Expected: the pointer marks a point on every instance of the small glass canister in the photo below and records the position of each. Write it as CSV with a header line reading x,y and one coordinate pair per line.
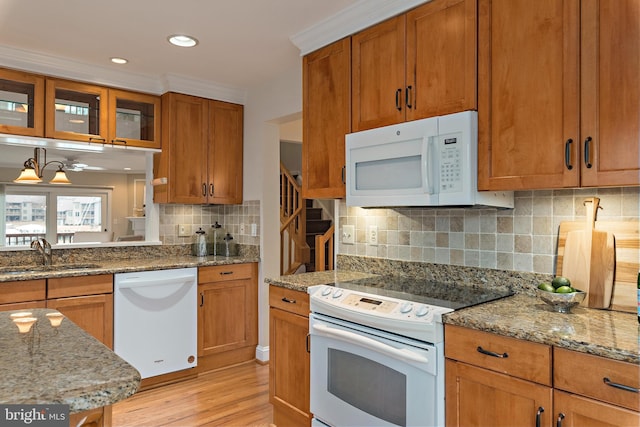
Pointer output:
x,y
199,245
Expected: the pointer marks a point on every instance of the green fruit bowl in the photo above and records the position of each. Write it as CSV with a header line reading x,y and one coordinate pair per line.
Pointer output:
x,y
561,303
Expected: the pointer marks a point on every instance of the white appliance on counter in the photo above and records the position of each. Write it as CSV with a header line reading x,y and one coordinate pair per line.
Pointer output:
x,y
427,162
155,320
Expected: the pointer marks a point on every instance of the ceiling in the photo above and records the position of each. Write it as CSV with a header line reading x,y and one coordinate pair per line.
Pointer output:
x,y
242,44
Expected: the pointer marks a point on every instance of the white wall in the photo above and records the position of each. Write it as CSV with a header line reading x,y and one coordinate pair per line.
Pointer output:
x,y
267,107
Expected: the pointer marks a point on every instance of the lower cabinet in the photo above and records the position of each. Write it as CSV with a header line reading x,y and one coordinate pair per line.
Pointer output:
x,y
20,295
227,315
87,301
99,417
289,357
493,380
496,381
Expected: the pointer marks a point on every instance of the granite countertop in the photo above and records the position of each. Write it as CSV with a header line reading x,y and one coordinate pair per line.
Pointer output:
x,y
61,365
606,333
30,272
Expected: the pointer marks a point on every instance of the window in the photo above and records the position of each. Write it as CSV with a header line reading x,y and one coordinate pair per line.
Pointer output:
x,y
53,212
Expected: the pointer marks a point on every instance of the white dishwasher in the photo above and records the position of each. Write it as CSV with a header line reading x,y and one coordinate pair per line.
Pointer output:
x,y
155,320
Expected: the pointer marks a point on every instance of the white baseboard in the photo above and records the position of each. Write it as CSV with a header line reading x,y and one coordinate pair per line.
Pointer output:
x,y
262,353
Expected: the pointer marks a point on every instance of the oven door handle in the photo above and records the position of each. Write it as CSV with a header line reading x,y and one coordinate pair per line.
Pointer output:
x,y
351,337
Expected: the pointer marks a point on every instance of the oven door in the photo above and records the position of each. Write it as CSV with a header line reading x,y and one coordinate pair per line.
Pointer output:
x,y
366,377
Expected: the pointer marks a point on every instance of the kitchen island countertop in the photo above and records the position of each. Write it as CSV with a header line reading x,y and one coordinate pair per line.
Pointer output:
x,y
605,333
60,365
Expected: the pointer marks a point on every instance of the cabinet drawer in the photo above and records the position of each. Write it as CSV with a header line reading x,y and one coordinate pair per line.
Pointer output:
x,y
585,374
518,358
219,273
22,291
289,300
79,286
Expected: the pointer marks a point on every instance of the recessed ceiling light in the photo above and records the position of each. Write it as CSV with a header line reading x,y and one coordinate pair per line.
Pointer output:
x,y
182,40
116,60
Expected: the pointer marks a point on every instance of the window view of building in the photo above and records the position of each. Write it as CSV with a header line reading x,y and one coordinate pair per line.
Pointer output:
x,y
54,216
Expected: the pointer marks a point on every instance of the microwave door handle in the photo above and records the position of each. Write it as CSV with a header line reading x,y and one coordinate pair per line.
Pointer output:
x,y
353,338
427,168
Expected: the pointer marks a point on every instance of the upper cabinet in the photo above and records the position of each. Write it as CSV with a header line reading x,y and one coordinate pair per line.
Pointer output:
x,y
326,109
202,151
39,106
89,113
21,103
557,102
76,111
416,65
134,119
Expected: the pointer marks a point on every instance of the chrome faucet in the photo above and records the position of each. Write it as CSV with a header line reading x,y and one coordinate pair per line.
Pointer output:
x,y
44,248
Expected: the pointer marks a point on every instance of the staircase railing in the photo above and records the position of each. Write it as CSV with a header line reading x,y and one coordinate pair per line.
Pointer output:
x,y
294,250
324,250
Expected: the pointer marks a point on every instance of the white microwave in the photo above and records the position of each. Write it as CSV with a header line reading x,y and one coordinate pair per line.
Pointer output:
x,y
428,162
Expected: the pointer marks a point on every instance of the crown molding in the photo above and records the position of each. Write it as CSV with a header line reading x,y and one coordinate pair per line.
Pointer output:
x,y
66,68
350,20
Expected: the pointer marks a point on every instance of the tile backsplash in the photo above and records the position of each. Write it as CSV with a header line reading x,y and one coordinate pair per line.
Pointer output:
x,y
520,239
235,219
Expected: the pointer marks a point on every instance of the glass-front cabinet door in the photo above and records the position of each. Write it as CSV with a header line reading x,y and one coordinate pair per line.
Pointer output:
x,y
134,119
21,103
76,111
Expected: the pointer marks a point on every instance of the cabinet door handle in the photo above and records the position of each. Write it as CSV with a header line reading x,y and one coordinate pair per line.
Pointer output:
x,y
122,141
201,299
610,383
587,155
289,301
398,103
343,174
204,190
491,353
538,415
308,343
226,273
97,139
560,418
407,97
211,189
567,154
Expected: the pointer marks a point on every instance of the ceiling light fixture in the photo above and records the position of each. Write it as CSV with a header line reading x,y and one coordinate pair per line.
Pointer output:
x,y
34,167
119,61
182,40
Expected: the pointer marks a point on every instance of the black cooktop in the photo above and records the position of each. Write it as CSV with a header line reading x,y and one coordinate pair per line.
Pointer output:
x,y
454,296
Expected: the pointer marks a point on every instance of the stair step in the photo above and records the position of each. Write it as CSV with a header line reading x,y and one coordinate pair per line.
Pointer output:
x,y
314,213
318,226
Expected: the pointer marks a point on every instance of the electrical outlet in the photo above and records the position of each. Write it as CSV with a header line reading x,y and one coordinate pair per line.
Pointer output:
x,y
348,234
184,230
254,229
241,228
372,235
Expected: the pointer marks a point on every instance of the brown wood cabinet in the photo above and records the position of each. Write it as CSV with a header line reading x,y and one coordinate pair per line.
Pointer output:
x,y
483,387
134,119
289,370
99,417
23,94
599,393
202,151
557,103
326,110
416,65
87,301
227,314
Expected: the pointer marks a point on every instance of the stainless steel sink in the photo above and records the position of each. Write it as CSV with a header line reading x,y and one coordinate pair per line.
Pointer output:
x,y
26,269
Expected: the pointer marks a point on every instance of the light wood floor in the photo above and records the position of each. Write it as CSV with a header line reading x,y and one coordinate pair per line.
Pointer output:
x,y
232,397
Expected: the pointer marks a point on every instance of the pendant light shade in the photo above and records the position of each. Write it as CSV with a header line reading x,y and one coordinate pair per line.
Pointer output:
x,y
60,177
28,176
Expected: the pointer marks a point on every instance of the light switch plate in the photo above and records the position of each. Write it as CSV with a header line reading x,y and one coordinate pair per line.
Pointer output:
x,y
184,230
348,234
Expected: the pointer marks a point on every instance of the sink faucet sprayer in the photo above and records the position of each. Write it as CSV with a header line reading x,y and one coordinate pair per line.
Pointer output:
x,y
44,248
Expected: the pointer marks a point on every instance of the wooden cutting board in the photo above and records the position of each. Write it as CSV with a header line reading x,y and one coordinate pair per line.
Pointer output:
x,y
589,259
627,258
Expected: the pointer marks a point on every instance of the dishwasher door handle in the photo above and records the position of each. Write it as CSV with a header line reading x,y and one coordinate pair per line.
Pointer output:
x,y
136,282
